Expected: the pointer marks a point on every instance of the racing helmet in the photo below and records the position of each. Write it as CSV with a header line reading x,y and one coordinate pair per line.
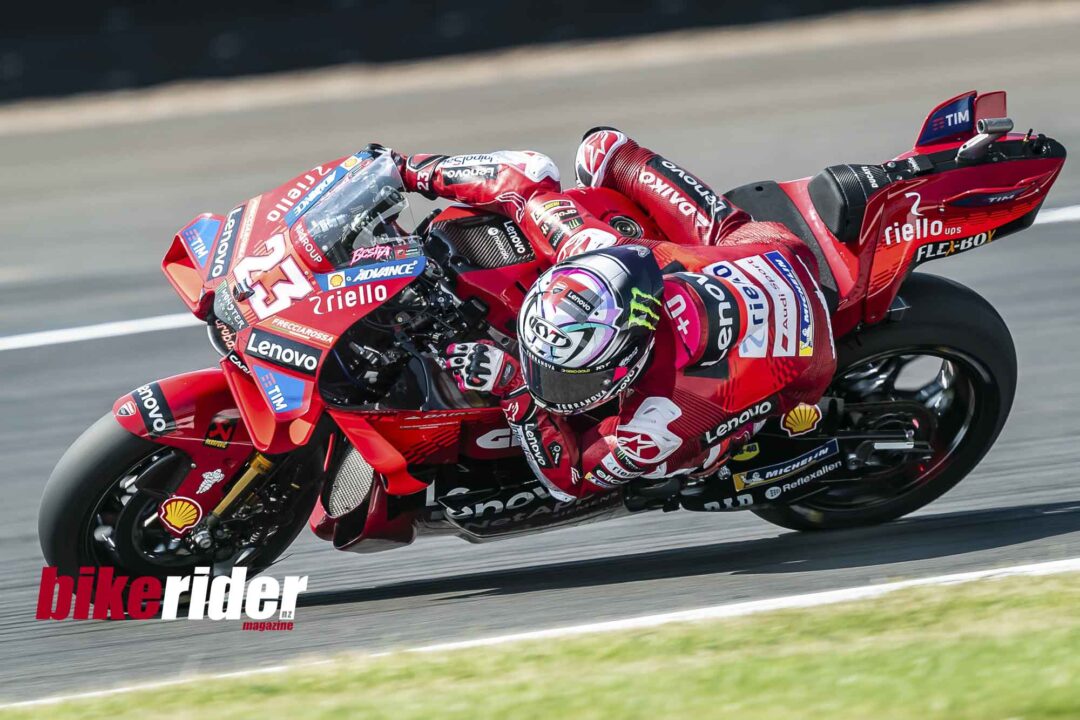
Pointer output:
x,y
587,327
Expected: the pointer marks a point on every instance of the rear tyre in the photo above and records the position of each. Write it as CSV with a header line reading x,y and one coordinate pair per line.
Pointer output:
x,y
944,320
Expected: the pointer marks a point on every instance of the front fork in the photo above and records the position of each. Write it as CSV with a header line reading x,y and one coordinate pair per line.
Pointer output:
x,y
204,533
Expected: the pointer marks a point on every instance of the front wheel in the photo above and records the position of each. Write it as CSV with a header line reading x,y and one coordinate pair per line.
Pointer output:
x,y
946,370
100,505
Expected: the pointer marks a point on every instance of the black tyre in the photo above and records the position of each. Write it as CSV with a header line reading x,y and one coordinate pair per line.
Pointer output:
x,y
947,322
97,501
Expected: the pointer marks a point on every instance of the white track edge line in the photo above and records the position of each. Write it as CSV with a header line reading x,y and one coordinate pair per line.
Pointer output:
x,y
99,331
715,612
1070,213
24,341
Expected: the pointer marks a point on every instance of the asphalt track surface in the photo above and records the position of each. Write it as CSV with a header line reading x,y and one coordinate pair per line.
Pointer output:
x,y
88,213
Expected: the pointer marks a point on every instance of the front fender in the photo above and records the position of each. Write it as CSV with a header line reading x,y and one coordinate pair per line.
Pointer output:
x,y
194,412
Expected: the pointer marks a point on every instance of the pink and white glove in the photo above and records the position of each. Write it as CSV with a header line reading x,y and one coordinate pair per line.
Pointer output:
x,y
482,367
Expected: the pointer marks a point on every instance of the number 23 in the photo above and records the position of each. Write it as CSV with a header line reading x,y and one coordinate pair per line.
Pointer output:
x,y
267,301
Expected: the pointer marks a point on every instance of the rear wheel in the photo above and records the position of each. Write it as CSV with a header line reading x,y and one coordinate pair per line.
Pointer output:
x,y
946,372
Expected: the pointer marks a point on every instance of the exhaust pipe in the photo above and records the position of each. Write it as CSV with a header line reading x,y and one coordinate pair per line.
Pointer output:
x,y
977,148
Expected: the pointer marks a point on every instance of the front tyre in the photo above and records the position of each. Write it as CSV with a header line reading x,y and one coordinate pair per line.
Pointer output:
x,y
963,409
99,509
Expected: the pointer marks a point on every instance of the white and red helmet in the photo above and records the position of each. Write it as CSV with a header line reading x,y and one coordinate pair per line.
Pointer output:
x,y
586,329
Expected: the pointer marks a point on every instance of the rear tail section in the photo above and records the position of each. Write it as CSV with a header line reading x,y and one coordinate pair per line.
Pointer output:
x,y
969,181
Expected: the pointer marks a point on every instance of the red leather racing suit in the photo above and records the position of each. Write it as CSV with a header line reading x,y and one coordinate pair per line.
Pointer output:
x,y
743,333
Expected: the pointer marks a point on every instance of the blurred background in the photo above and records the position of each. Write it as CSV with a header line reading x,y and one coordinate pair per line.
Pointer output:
x,y
70,47
123,120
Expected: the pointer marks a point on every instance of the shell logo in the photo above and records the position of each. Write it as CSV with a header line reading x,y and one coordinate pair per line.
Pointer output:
x,y
337,279
180,513
801,419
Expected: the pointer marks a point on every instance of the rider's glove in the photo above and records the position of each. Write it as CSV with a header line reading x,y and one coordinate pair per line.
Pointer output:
x,y
416,171
376,150
482,367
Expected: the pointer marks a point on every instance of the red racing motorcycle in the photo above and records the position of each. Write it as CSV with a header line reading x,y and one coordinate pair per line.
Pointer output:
x,y
330,406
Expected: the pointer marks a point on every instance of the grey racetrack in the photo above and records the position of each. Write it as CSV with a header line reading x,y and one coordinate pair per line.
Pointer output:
x,y
87,214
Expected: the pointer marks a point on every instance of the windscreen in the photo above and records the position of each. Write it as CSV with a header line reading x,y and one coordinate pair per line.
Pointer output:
x,y
358,212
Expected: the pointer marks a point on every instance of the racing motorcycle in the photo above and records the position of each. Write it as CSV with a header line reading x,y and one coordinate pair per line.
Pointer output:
x,y
329,405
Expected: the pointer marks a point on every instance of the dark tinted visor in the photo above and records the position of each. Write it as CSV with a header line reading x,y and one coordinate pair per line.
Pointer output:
x,y
565,392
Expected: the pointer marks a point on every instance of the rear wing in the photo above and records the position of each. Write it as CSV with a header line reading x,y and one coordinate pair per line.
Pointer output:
x,y
955,119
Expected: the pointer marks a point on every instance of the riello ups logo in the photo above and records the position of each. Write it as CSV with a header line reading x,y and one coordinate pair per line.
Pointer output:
x,y
264,603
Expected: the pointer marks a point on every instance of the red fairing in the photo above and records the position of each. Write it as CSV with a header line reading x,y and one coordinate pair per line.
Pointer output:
x,y
383,528
966,205
196,413
379,453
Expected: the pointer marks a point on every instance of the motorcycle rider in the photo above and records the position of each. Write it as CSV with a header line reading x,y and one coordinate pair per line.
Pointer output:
x,y
683,344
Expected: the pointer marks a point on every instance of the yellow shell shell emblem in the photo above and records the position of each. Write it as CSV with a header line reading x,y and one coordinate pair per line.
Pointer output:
x,y
801,419
180,513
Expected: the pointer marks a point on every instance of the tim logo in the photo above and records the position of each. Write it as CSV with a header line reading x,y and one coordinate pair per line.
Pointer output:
x,y
958,119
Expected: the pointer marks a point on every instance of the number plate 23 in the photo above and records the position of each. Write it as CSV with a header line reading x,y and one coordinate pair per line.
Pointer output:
x,y
275,278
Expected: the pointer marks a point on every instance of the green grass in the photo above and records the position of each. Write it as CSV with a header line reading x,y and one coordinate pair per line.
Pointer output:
x,y
993,649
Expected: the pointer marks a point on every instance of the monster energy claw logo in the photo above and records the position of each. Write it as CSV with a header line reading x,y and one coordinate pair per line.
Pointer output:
x,y
642,313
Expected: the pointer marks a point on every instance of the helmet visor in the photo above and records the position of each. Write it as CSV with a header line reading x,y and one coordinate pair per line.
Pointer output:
x,y
568,392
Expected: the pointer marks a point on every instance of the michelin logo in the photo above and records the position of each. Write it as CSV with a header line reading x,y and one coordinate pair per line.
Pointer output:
x,y
780,471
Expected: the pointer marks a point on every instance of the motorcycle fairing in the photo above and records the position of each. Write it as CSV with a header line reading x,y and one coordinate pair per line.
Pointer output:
x,y
957,204
187,258
194,412
960,206
278,398
441,437
378,452
271,432
773,468
340,299
200,257
380,528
